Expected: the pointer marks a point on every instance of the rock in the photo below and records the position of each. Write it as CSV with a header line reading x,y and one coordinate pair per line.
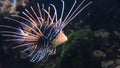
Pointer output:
x,y
101,33
117,67
106,64
117,62
98,53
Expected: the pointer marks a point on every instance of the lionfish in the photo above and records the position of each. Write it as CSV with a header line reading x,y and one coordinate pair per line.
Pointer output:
x,y
41,31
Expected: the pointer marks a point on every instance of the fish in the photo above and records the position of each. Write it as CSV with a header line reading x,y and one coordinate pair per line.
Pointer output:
x,y
41,31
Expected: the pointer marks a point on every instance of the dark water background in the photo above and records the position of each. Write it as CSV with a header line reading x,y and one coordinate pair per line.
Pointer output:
x,y
101,14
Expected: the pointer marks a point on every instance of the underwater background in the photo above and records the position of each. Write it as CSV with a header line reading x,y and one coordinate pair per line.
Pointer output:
x,y
94,37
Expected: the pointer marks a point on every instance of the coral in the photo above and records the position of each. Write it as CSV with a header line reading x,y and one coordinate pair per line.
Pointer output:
x,y
8,7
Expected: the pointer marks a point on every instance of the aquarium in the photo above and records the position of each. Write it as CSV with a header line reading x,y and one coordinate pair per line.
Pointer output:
x,y
59,34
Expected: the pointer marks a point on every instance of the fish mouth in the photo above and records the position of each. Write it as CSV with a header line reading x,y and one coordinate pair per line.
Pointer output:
x,y
60,39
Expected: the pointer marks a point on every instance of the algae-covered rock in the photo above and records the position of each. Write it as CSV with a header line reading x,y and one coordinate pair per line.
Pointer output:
x,y
76,51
